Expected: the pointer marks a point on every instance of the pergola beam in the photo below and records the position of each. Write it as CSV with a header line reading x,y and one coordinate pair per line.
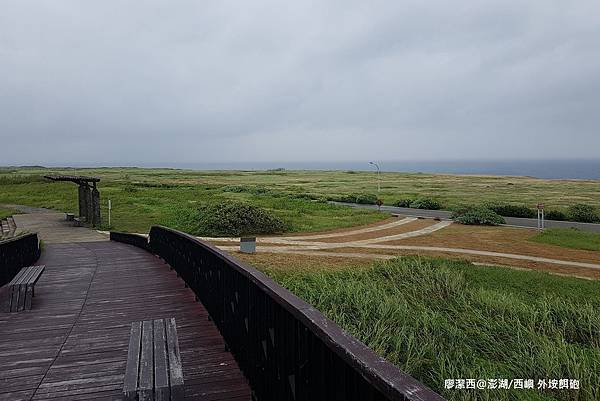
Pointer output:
x,y
89,196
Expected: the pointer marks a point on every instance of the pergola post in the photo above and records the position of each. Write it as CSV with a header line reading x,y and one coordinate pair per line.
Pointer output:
x,y
89,196
95,206
82,200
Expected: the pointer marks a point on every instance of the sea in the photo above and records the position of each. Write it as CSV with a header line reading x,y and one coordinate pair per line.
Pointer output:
x,y
548,169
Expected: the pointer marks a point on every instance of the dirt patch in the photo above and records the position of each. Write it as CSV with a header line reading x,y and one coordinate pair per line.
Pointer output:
x,y
404,228
497,239
346,229
507,262
300,262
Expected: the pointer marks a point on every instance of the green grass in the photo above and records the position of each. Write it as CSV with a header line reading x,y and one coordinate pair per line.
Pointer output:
x,y
5,212
142,197
570,238
140,203
450,190
439,319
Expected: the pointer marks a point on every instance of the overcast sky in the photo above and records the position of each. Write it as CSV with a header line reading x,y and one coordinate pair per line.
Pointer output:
x,y
203,81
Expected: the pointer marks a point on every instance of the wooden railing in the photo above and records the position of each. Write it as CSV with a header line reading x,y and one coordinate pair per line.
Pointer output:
x,y
132,239
286,348
16,253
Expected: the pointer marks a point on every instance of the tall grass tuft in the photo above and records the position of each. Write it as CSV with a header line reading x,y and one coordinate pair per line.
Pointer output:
x,y
429,318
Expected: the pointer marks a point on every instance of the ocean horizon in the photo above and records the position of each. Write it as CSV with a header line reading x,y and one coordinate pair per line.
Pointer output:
x,y
546,169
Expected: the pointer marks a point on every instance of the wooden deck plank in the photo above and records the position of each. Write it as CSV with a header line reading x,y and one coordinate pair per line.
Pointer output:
x,y
73,345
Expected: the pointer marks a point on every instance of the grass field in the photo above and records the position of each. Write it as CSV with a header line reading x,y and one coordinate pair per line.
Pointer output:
x,y
439,319
150,198
434,318
451,190
570,238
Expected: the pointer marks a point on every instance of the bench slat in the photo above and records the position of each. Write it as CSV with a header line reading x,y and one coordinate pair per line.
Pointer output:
x,y
133,362
161,366
153,370
175,368
16,288
13,293
146,379
23,287
16,279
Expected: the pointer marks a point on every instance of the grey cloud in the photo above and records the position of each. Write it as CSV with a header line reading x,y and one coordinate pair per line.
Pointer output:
x,y
158,81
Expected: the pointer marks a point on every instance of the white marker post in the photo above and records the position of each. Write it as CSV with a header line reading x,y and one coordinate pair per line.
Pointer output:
x,y
109,209
540,216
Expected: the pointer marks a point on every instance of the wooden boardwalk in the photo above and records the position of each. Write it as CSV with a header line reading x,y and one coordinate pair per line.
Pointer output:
x,y
72,345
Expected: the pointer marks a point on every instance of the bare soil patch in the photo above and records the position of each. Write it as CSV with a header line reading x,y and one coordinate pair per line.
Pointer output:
x,y
412,226
497,239
507,262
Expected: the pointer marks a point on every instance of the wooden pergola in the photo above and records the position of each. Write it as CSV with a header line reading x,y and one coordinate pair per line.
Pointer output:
x,y
89,196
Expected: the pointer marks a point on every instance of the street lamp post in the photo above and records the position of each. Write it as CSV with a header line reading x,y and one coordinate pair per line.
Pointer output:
x,y
378,176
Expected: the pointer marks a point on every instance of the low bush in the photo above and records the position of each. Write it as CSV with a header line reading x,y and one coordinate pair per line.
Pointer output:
x,y
228,218
249,190
555,215
130,188
425,203
365,199
477,215
583,213
509,210
309,196
403,203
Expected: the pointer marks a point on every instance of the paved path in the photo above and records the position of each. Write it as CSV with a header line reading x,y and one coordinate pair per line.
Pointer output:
x,y
510,221
52,228
73,343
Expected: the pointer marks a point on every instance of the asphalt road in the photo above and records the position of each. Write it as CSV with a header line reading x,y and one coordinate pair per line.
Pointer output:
x,y
510,221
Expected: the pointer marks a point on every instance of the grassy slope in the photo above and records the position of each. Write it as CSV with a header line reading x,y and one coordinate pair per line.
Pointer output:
x,y
570,238
440,319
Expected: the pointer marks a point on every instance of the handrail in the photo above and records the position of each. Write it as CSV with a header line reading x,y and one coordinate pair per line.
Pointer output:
x,y
286,348
132,239
17,252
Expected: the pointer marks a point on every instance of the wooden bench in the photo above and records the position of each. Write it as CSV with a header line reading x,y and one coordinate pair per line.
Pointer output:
x,y
20,291
153,370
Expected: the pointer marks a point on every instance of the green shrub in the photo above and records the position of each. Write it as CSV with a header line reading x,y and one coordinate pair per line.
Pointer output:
x,y
508,210
583,213
129,187
425,203
308,196
403,203
228,218
234,188
477,215
366,199
249,190
555,215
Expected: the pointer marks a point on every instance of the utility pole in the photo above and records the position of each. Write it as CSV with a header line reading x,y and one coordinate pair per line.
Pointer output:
x,y
378,176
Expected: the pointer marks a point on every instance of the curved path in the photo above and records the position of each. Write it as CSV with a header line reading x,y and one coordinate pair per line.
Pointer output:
x,y
321,252
294,245
73,344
